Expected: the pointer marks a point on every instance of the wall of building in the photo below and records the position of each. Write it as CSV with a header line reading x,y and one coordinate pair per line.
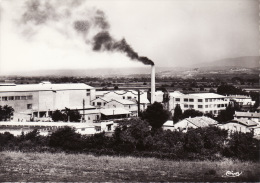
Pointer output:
x,y
100,103
205,105
21,105
235,127
184,125
45,100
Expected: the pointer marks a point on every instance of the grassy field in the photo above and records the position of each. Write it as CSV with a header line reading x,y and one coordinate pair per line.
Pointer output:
x,y
61,167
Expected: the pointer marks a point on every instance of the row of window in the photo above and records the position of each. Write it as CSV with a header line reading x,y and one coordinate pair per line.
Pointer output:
x,y
7,98
128,97
199,100
98,103
206,106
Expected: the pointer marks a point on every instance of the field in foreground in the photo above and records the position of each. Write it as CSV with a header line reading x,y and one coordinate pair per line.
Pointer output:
x,y
61,167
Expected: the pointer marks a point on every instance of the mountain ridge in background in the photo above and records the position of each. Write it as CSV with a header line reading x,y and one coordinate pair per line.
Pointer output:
x,y
239,62
223,64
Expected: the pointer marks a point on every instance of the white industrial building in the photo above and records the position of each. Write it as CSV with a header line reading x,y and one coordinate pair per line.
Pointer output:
x,y
40,100
241,99
204,102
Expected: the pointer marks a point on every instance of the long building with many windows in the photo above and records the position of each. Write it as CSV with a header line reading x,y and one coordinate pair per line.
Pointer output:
x,y
38,100
204,102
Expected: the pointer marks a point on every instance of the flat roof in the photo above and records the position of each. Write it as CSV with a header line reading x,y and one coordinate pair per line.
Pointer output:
x,y
124,101
207,95
247,114
45,87
71,124
114,111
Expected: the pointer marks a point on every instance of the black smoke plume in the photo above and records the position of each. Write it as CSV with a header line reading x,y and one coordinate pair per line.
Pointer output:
x,y
40,12
103,41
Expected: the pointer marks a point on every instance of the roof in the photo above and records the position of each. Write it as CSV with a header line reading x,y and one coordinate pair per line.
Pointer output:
x,y
101,98
98,93
45,87
239,96
207,95
247,114
91,111
245,122
71,124
176,94
114,111
124,102
201,121
168,123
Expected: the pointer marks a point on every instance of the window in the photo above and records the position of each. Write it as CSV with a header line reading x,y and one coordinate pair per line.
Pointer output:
x,y
123,97
206,100
98,103
4,98
129,106
186,106
82,129
29,97
88,90
200,106
17,98
29,106
206,106
23,97
129,97
11,98
88,94
199,100
191,106
93,103
177,100
186,100
191,100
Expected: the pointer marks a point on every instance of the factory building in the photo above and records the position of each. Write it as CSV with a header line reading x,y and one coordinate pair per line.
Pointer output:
x,y
204,102
40,100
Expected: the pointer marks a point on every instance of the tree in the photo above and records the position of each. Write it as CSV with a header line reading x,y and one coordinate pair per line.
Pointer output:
x,y
74,115
66,138
227,114
155,115
131,134
225,89
6,112
58,116
177,113
191,113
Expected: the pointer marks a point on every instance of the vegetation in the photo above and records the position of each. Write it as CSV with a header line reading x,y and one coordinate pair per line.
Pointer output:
x,y
227,114
134,137
61,167
67,115
191,113
155,115
6,112
177,113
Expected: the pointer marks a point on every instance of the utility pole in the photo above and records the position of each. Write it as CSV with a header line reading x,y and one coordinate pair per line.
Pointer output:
x,y
83,118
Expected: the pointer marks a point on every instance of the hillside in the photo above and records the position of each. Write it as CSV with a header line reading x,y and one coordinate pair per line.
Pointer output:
x,y
239,62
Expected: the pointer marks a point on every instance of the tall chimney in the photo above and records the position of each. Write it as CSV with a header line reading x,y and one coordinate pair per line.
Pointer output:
x,y
153,84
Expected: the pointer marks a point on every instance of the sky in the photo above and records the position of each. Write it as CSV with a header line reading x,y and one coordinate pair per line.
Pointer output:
x,y
82,34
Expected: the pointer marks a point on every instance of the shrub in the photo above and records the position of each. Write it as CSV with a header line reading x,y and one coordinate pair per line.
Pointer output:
x,y
66,138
